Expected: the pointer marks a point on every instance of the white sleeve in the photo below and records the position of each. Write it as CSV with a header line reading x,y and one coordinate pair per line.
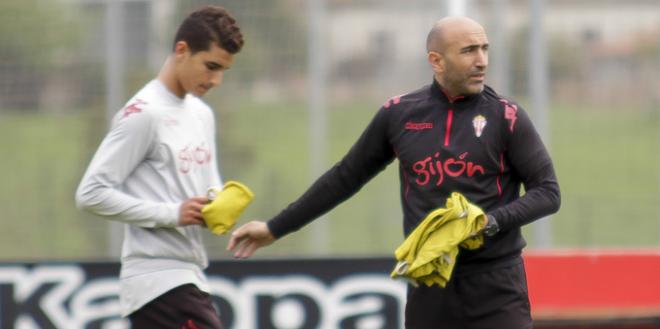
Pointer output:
x,y
127,144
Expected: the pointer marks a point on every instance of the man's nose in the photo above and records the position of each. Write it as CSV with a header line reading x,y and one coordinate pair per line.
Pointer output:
x,y
482,58
216,78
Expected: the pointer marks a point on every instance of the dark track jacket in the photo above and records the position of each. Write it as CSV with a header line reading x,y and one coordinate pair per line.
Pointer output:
x,y
483,146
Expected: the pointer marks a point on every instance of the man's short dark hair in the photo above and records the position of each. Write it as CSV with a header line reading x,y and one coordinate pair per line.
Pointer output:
x,y
210,24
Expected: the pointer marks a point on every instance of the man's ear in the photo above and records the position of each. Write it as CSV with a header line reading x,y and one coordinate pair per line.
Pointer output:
x,y
181,49
437,61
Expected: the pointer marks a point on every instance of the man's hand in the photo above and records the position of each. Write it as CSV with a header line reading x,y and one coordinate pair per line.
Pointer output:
x,y
250,237
190,212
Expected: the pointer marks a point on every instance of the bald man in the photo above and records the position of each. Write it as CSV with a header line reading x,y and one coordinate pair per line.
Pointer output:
x,y
453,135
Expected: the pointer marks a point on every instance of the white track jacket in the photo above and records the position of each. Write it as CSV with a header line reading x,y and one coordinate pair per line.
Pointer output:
x,y
160,150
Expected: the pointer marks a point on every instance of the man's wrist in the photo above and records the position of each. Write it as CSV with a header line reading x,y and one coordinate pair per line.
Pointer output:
x,y
273,230
491,226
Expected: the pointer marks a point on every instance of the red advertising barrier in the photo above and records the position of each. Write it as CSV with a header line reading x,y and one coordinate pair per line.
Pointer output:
x,y
595,286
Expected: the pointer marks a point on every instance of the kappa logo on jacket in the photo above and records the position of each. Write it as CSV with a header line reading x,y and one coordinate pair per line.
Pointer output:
x,y
418,125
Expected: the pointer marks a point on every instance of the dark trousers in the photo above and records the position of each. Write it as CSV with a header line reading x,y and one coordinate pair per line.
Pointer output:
x,y
184,307
496,299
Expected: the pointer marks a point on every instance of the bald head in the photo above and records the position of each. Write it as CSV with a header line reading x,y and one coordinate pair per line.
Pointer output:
x,y
458,54
450,29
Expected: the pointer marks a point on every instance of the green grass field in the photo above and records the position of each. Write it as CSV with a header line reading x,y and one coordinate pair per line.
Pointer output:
x,y
43,159
606,162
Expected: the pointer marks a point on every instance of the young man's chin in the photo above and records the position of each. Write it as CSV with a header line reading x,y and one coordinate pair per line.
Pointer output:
x,y
199,92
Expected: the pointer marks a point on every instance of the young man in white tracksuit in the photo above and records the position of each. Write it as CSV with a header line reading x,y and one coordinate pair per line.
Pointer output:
x,y
152,171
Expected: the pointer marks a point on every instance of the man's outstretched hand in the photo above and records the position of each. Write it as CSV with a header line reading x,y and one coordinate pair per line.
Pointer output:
x,y
248,238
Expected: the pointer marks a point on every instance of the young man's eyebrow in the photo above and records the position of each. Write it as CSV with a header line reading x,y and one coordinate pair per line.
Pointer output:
x,y
214,65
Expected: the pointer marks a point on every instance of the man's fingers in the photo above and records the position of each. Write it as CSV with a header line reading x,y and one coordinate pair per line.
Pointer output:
x,y
247,239
190,212
239,252
235,239
240,247
195,215
239,234
196,204
197,207
247,249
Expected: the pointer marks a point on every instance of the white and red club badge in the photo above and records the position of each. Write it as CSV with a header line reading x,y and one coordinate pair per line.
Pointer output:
x,y
479,123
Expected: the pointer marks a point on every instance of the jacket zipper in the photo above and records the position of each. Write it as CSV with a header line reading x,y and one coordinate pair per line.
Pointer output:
x,y
450,118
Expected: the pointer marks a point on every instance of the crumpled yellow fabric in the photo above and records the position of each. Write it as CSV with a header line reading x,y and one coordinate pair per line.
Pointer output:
x,y
226,206
428,254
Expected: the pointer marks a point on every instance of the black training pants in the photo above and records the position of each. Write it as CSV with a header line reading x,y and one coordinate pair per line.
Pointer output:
x,y
184,307
495,299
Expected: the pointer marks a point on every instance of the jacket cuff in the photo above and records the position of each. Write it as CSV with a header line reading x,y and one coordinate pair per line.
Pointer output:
x,y
170,216
276,230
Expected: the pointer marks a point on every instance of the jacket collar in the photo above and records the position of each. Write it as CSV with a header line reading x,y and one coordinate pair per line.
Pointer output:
x,y
439,91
